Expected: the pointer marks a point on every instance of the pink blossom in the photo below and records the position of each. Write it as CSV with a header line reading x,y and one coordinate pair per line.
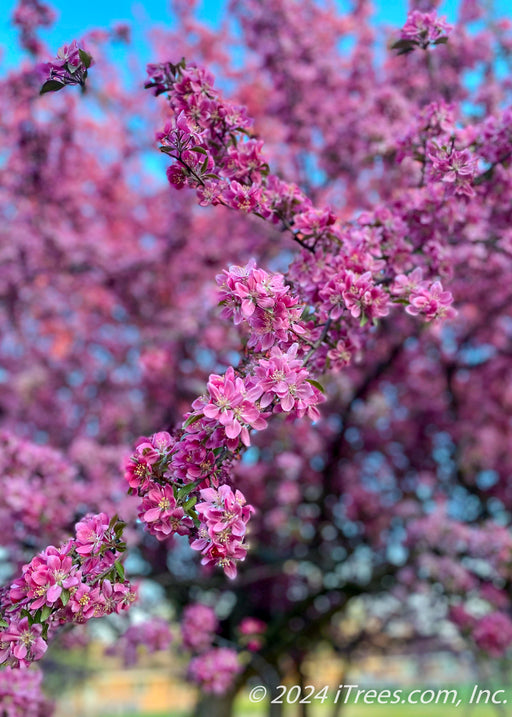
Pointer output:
x,y
493,633
284,378
363,298
215,670
433,302
424,28
90,533
26,643
198,627
232,404
148,637
224,516
69,68
162,515
456,168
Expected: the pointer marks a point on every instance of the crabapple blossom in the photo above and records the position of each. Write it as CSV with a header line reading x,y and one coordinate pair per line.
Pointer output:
x,y
80,580
69,68
422,29
252,630
493,633
223,517
199,625
21,694
29,15
215,670
149,636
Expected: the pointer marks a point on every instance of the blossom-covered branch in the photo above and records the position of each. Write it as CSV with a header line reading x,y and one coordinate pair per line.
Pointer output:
x,y
81,579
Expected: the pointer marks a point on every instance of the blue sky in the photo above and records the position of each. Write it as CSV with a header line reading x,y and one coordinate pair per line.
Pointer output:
x,y
75,18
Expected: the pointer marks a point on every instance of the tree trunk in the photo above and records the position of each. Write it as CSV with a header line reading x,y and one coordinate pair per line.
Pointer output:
x,y
275,710
303,706
215,706
340,704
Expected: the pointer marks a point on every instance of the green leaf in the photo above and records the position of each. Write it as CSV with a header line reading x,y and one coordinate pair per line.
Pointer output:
x,y
405,50
85,57
64,597
30,617
406,45
199,150
113,521
51,86
441,41
186,490
119,569
46,611
118,531
316,384
192,419
364,320
190,503
3,623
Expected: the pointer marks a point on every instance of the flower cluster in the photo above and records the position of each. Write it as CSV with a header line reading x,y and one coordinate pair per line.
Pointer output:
x,y
216,525
39,495
209,139
196,137
252,631
160,511
224,516
215,670
363,298
29,16
172,474
149,453
423,298
493,633
145,637
263,301
286,383
81,579
432,303
231,401
69,68
421,30
456,168
198,627
212,668
21,694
